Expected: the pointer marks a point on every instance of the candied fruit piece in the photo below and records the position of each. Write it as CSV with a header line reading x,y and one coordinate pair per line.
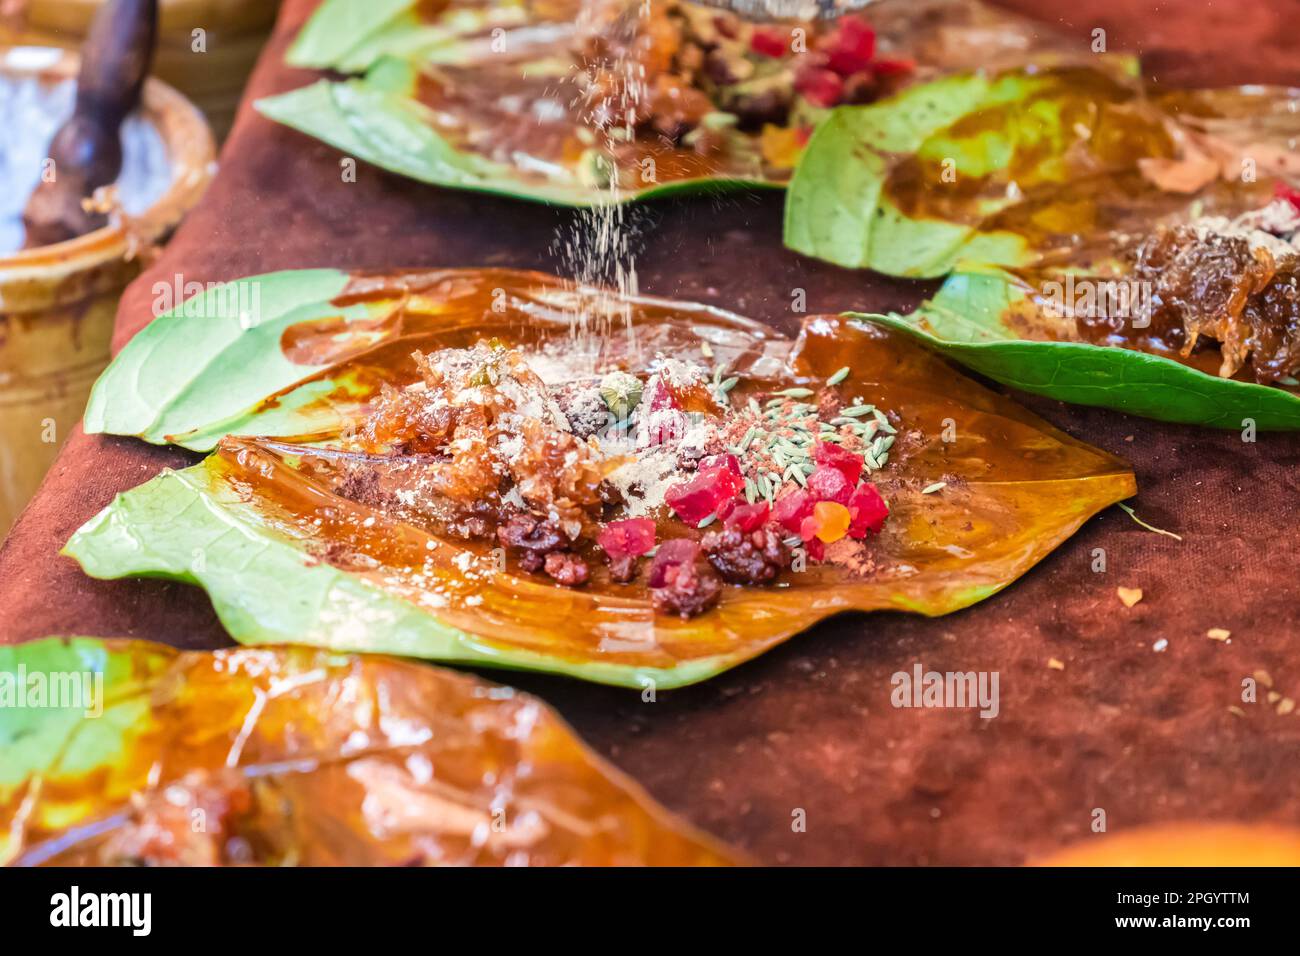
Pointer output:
x,y
703,495
868,511
743,516
1284,190
888,66
809,527
672,554
658,395
629,538
829,484
728,461
850,47
831,455
792,507
819,86
770,41
832,521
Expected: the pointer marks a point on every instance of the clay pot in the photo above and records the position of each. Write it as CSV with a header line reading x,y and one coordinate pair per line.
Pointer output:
x,y
58,302
213,78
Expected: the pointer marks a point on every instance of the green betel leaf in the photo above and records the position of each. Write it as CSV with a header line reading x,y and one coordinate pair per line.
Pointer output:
x,y
1028,181
974,320
509,98
339,27
922,182
111,751
268,588
67,707
213,359
376,120
834,208
352,37
290,550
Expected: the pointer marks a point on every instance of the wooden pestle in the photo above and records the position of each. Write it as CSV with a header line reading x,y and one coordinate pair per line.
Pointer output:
x,y
87,150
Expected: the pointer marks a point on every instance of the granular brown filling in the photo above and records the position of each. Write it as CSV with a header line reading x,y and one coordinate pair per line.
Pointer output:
x,y
1219,288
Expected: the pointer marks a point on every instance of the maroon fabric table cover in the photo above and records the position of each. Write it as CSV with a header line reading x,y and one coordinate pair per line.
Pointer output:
x,y
807,732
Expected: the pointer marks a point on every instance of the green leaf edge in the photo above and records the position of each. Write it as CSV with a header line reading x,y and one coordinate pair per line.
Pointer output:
x,y
338,27
268,606
1149,385
39,740
200,324
315,111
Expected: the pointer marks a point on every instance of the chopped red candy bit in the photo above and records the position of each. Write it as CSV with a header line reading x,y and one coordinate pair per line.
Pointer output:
x,y
816,550
1284,190
629,538
868,511
792,507
850,48
829,484
728,461
703,495
770,41
658,395
744,517
847,463
818,86
809,527
887,66
672,554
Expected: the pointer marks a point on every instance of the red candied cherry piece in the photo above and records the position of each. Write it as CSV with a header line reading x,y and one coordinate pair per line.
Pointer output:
x,y
867,510
770,41
728,461
1284,190
888,66
745,517
831,455
659,395
792,507
850,48
672,554
820,87
629,538
703,495
829,484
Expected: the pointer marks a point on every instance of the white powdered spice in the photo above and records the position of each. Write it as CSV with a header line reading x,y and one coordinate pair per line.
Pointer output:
x,y
645,480
1276,228
597,245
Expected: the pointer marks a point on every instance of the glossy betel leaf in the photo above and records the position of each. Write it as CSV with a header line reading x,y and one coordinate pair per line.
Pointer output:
x,y
981,319
262,527
210,359
136,753
530,98
429,103
974,168
1026,182
376,119
351,37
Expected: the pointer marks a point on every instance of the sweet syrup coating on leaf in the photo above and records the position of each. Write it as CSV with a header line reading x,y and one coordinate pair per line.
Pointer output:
x,y
309,564
302,757
480,420
1239,292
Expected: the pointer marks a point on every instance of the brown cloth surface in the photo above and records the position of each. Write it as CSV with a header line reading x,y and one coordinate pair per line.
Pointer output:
x,y
1144,734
